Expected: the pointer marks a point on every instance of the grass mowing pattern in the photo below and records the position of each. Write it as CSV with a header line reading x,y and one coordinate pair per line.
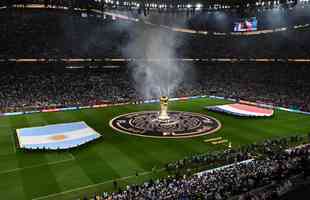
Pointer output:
x,y
36,174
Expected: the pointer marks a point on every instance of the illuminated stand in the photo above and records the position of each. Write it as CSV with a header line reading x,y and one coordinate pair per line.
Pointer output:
x,y
163,114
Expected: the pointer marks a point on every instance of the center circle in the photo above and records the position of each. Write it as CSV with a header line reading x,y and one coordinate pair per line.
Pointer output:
x,y
180,124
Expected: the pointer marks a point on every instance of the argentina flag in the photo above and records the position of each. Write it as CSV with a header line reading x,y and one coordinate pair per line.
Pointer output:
x,y
56,136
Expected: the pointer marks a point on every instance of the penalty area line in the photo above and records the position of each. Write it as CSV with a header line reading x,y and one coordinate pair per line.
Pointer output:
x,y
94,185
34,166
14,144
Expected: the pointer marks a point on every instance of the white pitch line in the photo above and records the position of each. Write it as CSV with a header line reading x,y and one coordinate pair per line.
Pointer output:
x,y
92,185
34,166
13,141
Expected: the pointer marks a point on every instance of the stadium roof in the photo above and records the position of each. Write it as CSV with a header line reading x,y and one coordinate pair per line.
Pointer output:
x,y
168,5
200,4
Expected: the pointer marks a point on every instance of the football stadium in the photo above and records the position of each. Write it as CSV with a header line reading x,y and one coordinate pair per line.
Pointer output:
x,y
154,100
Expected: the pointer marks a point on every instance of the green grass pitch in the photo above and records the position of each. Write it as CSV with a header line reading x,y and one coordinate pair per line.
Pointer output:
x,y
70,174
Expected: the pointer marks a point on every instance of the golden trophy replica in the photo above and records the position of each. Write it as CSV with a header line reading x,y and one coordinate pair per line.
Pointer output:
x,y
163,114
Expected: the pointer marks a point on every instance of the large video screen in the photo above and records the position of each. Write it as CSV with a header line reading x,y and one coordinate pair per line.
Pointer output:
x,y
246,25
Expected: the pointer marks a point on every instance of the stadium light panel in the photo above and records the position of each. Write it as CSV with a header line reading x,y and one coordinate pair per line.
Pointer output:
x,y
198,6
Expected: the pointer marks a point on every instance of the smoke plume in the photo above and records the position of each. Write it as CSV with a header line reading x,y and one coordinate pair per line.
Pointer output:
x,y
155,72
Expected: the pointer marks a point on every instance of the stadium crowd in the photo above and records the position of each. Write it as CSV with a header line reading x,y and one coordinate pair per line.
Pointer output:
x,y
29,33
230,156
271,174
59,34
36,87
44,88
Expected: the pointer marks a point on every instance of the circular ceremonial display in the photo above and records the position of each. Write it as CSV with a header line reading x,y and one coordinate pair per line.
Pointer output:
x,y
179,124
